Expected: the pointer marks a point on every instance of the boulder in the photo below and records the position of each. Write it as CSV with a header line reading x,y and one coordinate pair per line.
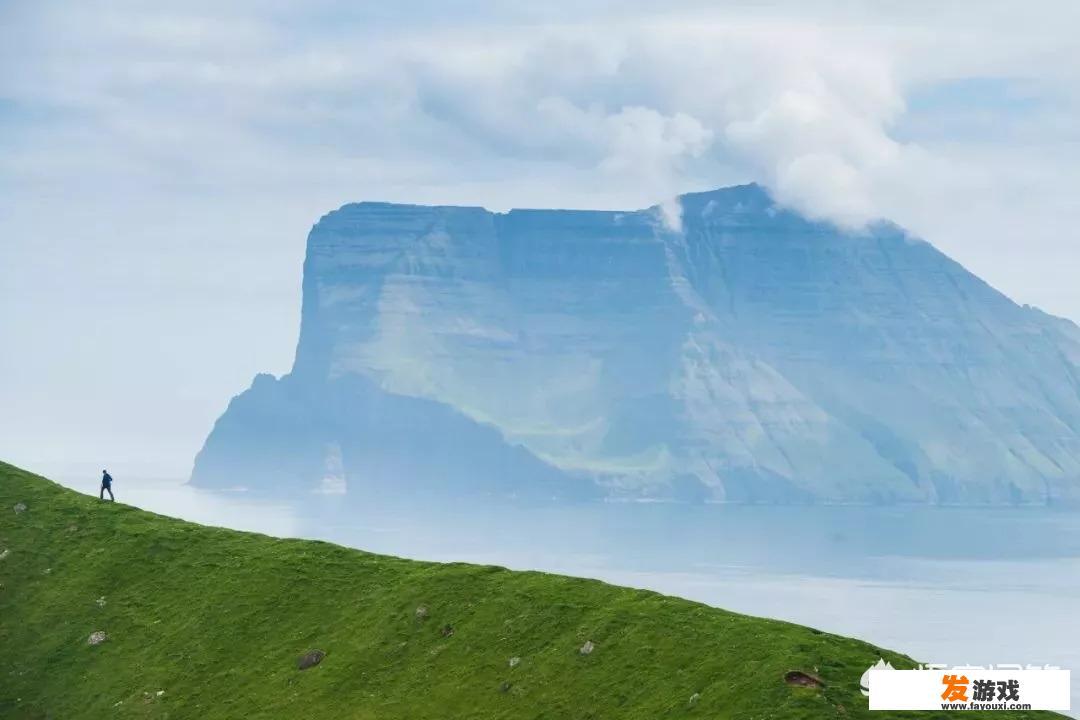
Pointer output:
x,y
587,648
310,659
798,678
97,637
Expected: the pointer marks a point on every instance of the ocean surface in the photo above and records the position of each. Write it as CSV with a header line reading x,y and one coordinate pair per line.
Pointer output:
x,y
944,585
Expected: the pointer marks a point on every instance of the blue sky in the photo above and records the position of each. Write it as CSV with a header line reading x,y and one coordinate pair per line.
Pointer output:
x,y
161,163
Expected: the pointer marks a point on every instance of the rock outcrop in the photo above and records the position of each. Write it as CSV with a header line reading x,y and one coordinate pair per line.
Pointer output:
x,y
750,356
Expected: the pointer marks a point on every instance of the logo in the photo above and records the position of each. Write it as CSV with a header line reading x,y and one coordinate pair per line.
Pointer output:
x,y
955,688
966,687
864,681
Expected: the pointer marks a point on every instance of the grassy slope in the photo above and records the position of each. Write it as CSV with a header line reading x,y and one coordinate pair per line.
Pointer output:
x,y
217,619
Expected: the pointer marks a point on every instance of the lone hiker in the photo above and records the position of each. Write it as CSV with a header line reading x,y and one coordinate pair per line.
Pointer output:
x,y
106,486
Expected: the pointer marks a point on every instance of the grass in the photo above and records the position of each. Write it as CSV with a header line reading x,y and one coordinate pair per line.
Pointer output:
x,y
217,620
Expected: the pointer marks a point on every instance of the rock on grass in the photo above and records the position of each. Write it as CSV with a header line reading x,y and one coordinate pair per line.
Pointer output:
x,y
310,659
803,679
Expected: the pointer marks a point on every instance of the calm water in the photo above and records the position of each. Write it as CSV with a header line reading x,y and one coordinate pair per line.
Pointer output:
x,y
957,586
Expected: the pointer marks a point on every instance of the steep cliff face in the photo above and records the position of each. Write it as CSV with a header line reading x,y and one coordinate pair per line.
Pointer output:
x,y
751,355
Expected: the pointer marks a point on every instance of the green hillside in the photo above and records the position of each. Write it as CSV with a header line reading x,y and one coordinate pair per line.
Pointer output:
x,y
209,623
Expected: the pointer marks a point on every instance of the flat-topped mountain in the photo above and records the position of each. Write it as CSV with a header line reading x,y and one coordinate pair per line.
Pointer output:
x,y
750,355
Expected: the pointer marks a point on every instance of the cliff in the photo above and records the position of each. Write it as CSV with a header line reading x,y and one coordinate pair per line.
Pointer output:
x,y
751,355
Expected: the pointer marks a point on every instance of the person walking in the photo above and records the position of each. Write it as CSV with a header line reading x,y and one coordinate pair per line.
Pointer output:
x,y
106,486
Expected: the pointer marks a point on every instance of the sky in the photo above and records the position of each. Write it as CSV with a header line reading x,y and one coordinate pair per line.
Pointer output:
x,y
161,163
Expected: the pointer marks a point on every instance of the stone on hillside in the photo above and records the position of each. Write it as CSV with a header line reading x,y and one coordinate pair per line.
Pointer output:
x,y
514,661
587,648
97,637
4,553
310,659
100,601
20,507
694,698
422,612
448,630
799,678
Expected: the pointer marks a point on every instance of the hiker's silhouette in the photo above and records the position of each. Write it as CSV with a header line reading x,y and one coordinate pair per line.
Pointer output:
x,y
106,486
